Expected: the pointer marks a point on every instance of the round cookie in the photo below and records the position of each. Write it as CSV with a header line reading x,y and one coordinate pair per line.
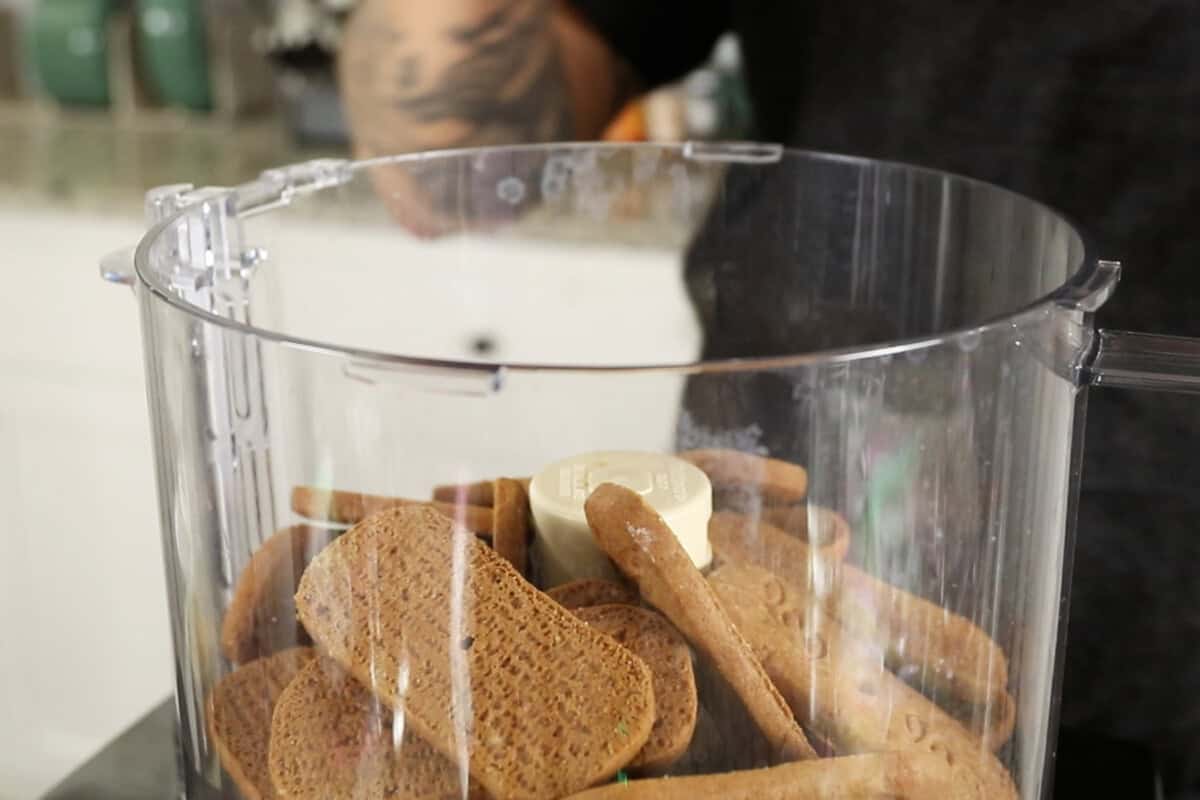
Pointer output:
x,y
831,538
775,482
654,640
330,737
744,539
592,592
261,617
350,508
876,776
239,718
480,493
510,523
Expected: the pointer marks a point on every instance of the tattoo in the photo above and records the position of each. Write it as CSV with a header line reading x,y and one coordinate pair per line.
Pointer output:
x,y
469,34
535,110
505,84
508,87
408,75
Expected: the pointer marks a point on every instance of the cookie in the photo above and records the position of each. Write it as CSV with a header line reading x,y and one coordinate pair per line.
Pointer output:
x,y
592,592
239,718
841,689
725,738
993,724
654,640
775,482
480,493
954,656
349,508
543,704
642,546
823,530
261,617
877,776
510,523
331,738
741,539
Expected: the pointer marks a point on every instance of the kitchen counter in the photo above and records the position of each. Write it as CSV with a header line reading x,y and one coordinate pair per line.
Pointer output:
x,y
92,162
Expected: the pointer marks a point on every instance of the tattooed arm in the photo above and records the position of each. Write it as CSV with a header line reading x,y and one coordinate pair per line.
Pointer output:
x,y
426,74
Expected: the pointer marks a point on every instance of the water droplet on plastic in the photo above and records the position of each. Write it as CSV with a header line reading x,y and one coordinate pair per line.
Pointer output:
x,y
511,190
584,160
555,176
645,165
969,341
553,185
917,355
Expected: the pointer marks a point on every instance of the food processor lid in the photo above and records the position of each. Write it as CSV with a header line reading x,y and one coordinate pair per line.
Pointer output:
x,y
216,254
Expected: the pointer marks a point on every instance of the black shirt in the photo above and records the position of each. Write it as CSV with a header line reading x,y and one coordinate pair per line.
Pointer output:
x,y
1094,108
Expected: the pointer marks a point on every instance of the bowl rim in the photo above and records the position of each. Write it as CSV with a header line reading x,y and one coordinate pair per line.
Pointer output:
x,y
1085,289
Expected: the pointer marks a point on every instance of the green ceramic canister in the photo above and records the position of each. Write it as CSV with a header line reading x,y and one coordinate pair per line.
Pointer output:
x,y
69,48
174,52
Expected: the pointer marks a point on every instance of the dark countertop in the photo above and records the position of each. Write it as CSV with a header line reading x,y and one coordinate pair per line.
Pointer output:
x,y
137,765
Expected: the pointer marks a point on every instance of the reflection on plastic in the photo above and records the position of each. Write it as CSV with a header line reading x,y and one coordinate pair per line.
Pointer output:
x,y
481,381
733,152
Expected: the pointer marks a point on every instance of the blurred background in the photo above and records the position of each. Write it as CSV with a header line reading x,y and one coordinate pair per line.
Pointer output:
x,y
101,100
118,93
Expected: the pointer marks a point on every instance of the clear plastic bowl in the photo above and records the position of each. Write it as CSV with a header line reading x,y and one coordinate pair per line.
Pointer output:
x,y
914,346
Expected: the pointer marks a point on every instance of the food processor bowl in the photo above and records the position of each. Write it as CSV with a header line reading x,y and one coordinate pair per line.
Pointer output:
x,y
815,422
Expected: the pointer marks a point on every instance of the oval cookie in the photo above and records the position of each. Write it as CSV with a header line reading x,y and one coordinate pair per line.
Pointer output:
x,y
330,738
643,547
261,617
543,704
776,482
877,776
510,523
592,592
480,493
654,640
825,531
741,539
349,508
239,718
840,687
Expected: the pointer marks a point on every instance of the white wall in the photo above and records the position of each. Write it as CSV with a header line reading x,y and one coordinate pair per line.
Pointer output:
x,y
86,644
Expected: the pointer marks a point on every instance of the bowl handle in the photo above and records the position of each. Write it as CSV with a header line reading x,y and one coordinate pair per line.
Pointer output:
x,y
161,202
1130,360
117,267
1125,359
